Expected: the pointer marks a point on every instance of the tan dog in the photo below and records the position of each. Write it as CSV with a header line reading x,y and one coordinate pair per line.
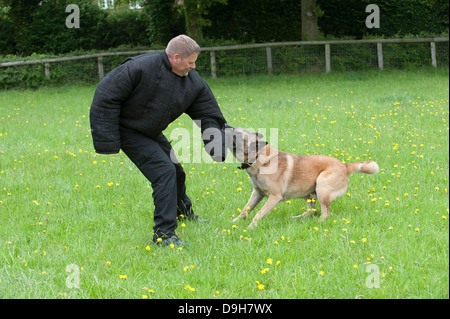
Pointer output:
x,y
281,176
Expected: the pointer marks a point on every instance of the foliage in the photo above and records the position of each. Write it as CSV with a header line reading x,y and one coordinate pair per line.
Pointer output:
x,y
196,12
124,26
7,41
397,18
37,26
165,21
40,28
255,21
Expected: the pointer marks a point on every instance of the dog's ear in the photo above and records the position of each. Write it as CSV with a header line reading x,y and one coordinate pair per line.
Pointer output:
x,y
257,145
259,135
261,144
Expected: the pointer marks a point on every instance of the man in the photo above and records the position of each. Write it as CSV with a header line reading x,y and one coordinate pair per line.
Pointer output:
x,y
135,102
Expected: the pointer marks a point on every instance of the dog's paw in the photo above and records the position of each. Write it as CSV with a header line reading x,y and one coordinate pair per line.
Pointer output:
x,y
253,225
305,214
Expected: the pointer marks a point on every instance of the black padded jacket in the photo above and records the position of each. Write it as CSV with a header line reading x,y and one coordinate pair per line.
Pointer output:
x,y
144,95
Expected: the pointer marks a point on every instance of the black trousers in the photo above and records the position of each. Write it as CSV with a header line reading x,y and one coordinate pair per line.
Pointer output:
x,y
166,175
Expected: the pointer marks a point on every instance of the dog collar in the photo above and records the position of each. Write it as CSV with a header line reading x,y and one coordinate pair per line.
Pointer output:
x,y
248,165
245,166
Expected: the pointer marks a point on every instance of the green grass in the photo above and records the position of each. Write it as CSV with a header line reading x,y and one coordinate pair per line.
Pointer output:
x,y
62,204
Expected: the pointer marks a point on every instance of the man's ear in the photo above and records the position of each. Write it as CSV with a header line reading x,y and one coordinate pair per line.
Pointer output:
x,y
177,58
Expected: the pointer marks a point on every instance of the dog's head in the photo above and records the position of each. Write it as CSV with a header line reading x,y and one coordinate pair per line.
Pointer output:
x,y
244,145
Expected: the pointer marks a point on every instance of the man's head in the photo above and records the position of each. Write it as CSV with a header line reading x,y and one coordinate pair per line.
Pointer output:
x,y
182,52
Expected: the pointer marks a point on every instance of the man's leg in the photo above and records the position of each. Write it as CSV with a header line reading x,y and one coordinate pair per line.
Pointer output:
x,y
157,167
184,204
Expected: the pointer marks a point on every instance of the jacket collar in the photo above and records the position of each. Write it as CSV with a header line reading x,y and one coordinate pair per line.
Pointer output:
x,y
166,61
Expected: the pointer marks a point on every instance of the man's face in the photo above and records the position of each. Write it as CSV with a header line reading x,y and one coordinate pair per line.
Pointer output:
x,y
181,66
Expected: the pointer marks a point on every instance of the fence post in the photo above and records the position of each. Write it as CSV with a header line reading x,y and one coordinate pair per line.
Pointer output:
x,y
380,56
47,70
433,54
327,58
100,68
213,64
269,60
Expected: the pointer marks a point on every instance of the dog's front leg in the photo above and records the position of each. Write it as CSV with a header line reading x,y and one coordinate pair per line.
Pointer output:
x,y
270,204
255,198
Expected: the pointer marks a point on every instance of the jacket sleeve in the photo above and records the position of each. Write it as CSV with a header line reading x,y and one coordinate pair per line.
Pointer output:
x,y
111,92
207,115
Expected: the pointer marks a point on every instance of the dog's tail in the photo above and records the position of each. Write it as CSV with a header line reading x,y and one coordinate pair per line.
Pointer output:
x,y
368,167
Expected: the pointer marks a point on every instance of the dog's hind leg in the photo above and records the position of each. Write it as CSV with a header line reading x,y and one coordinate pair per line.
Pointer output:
x,y
329,187
255,198
270,204
310,207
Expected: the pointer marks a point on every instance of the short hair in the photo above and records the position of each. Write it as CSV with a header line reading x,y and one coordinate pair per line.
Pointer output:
x,y
183,45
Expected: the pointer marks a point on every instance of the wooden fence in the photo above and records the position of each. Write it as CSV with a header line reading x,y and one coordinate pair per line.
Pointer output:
x,y
328,52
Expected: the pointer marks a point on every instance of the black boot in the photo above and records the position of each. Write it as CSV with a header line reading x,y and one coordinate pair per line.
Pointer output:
x,y
166,240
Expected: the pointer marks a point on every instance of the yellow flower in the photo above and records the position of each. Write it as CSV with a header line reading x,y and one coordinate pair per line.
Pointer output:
x,y
148,247
189,288
265,270
321,273
269,261
122,276
364,240
260,286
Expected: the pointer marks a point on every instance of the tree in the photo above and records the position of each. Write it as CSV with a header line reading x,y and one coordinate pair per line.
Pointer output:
x,y
166,20
195,13
310,13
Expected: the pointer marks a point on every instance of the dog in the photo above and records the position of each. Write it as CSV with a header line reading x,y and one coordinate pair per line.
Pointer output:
x,y
281,176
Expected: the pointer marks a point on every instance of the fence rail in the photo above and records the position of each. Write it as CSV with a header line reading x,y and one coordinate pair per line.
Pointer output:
x,y
324,52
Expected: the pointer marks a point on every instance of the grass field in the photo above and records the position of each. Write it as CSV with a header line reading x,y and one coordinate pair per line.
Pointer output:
x,y
71,218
